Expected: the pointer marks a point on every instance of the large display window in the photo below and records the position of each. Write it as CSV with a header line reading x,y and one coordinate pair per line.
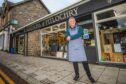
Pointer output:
x,y
53,41
111,34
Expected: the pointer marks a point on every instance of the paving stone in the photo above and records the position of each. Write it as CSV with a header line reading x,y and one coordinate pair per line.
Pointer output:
x,y
122,77
107,79
47,81
69,79
85,79
40,72
32,75
80,83
109,72
32,80
64,73
41,77
56,77
59,72
30,70
62,82
22,75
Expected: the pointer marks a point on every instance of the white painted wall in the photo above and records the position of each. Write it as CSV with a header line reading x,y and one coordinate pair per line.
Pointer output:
x,y
4,40
1,40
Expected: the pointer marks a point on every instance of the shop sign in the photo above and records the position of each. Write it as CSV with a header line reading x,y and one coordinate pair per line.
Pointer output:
x,y
60,17
54,19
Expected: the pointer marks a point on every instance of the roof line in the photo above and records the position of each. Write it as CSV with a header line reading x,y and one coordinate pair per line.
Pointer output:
x,y
45,6
43,18
22,2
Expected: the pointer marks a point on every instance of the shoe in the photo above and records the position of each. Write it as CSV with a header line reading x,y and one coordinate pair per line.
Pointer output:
x,y
76,78
92,80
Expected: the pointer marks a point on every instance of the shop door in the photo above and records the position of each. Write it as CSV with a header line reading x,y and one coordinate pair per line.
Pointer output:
x,y
89,42
1,42
21,45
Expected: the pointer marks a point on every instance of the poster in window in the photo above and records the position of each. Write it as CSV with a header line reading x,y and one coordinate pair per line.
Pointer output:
x,y
107,48
117,47
85,31
92,42
86,36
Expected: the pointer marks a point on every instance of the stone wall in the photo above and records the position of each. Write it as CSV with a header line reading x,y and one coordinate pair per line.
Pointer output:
x,y
34,43
28,12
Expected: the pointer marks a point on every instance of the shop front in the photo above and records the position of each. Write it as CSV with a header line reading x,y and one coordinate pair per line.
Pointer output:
x,y
53,43
17,43
110,25
101,31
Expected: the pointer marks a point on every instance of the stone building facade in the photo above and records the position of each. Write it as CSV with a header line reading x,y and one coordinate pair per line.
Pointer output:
x,y
28,11
34,43
18,15
34,9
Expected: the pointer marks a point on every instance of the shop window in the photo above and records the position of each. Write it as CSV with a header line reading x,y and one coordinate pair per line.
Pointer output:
x,y
105,15
53,42
112,12
112,33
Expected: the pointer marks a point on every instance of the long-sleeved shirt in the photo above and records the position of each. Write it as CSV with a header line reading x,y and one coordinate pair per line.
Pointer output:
x,y
79,34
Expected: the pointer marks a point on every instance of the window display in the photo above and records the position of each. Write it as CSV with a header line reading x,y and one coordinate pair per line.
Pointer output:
x,y
112,33
53,41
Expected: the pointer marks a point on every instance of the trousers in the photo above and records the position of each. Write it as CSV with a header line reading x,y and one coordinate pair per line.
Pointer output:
x,y
85,66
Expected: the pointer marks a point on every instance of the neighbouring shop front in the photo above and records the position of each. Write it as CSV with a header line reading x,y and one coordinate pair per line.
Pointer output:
x,y
1,40
4,40
17,43
111,34
96,32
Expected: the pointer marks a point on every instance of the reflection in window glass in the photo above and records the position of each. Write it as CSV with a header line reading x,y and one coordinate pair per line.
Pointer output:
x,y
115,11
113,40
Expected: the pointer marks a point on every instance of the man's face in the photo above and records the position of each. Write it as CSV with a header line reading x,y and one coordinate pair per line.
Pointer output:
x,y
72,22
